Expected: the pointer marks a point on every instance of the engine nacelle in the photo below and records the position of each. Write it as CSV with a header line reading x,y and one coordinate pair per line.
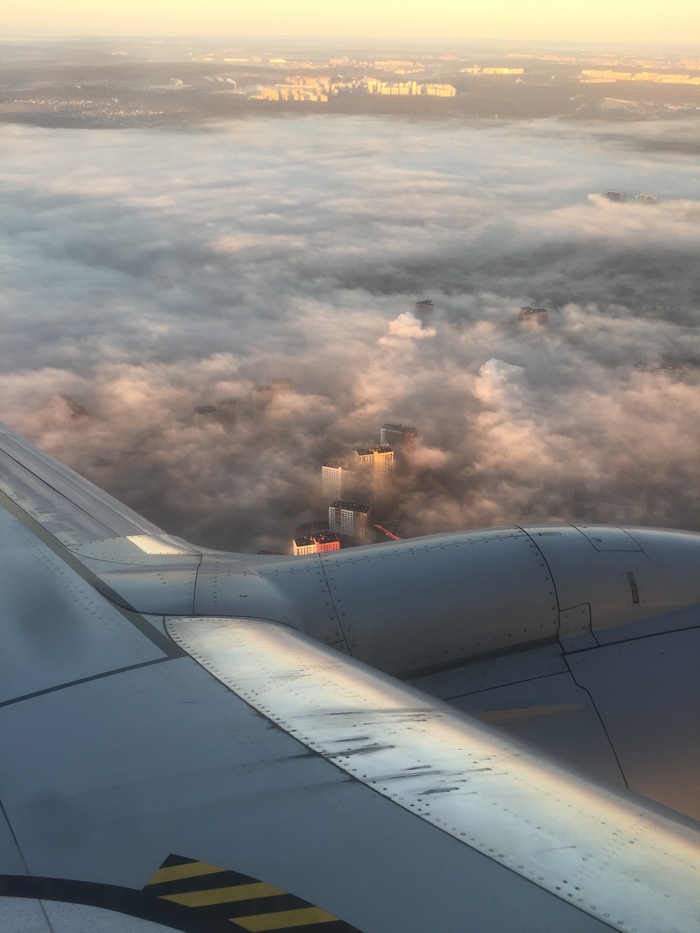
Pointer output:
x,y
489,591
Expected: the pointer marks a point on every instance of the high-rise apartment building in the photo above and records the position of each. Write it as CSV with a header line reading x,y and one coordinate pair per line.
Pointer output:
x,y
382,474
262,396
425,308
380,460
203,414
349,518
279,386
338,481
396,435
227,409
538,316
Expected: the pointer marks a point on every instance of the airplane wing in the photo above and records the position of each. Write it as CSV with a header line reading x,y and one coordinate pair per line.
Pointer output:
x,y
210,770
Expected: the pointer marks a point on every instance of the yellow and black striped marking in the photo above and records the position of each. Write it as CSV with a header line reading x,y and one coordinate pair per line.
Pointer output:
x,y
228,900
190,896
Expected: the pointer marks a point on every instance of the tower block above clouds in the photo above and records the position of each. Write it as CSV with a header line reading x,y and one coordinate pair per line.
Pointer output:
x,y
397,435
350,519
370,477
425,309
376,467
539,317
338,481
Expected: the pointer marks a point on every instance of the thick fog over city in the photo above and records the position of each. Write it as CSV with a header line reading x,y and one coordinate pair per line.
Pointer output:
x,y
151,271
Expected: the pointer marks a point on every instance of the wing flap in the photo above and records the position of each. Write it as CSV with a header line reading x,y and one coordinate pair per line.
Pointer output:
x,y
608,854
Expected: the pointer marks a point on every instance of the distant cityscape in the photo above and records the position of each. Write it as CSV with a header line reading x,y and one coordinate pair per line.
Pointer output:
x,y
320,89
360,76
135,82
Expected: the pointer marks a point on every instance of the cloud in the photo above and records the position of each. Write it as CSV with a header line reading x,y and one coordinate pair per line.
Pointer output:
x,y
405,327
162,271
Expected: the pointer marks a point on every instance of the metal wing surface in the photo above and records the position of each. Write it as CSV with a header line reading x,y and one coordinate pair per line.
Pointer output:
x,y
202,771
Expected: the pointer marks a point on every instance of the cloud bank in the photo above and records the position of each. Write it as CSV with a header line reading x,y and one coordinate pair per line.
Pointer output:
x,y
151,272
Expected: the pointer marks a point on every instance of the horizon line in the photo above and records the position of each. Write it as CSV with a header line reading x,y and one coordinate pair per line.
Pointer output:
x,y
58,37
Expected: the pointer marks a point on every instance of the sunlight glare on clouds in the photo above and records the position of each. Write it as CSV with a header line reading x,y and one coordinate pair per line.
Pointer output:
x,y
405,327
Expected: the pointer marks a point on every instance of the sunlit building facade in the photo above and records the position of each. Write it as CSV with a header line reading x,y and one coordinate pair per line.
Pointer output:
x,y
315,544
608,76
408,89
378,462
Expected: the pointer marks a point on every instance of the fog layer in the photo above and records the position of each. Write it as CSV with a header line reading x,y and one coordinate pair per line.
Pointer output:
x,y
148,272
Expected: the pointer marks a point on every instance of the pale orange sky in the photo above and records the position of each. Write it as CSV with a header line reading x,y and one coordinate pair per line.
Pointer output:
x,y
611,20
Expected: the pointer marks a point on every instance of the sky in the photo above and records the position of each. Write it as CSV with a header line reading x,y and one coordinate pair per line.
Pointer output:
x,y
147,272
676,21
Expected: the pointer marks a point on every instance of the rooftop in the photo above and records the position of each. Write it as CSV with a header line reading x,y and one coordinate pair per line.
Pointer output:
x,y
349,506
326,537
377,449
397,427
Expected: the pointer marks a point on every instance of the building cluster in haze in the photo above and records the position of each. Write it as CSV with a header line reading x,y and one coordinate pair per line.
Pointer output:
x,y
609,76
358,491
618,197
361,77
478,70
87,84
226,410
320,89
